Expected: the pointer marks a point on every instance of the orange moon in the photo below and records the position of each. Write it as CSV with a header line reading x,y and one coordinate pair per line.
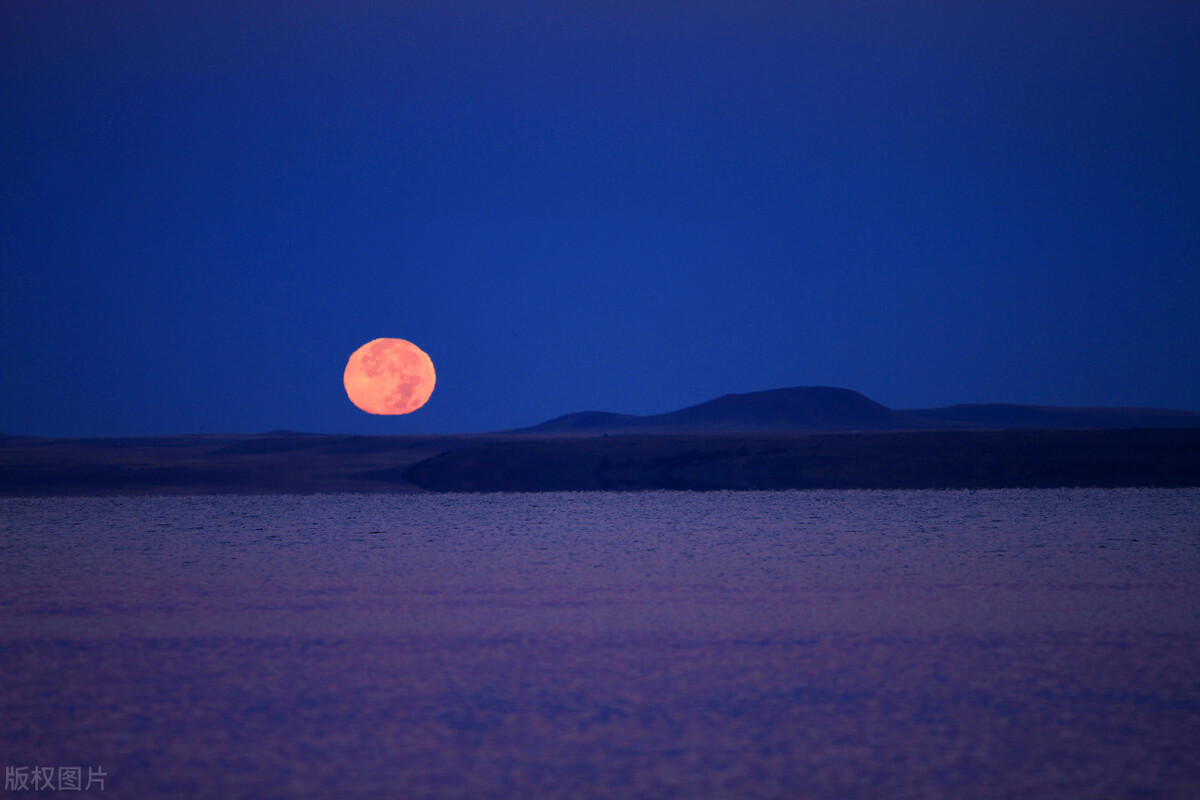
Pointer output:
x,y
389,376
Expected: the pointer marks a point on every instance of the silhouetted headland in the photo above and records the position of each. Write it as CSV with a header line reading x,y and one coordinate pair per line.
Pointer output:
x,y
801,438
825,408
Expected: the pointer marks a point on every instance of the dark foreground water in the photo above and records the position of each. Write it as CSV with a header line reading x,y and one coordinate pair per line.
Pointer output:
x,y
728,645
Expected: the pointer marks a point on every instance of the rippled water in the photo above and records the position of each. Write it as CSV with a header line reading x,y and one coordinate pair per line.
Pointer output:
x,y
1040,643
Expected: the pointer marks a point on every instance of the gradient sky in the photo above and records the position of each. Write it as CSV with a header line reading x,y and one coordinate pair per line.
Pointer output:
x,y
624,206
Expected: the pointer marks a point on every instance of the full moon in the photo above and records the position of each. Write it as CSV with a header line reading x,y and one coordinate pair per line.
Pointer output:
x,y
389,376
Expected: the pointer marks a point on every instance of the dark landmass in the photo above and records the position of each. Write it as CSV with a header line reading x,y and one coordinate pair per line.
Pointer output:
x,y
873,460
824,408
1002,416
306,463
281,462
808,408
808,437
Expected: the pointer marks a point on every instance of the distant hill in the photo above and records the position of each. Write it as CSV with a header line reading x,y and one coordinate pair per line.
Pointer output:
x,y
824,408
998,416
805,408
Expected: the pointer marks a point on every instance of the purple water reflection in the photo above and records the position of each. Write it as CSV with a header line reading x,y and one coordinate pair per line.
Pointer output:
x,y
853,644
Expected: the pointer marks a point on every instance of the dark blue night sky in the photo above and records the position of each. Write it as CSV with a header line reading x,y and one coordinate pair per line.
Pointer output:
x,y
627,206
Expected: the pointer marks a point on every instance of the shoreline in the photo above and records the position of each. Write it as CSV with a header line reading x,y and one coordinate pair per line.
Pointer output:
x,y
297,463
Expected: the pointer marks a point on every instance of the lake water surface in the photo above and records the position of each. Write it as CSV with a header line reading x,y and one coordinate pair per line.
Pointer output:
x,y
1007,643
